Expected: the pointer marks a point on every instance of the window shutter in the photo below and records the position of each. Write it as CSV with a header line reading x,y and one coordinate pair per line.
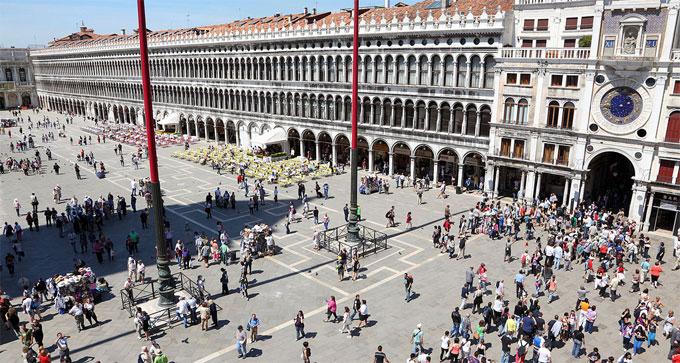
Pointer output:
x,y
540,43
587,22
570,43
673,128
571,24
542,24
676,87
666,168
529,24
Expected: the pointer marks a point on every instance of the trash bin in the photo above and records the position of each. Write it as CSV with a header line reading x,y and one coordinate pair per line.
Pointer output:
x,y
459,190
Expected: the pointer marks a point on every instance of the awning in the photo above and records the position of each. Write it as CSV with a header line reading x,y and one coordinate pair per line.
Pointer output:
x,y
171,119
275,136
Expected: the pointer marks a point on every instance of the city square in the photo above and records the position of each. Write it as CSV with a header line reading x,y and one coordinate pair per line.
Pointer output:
x,y
500,181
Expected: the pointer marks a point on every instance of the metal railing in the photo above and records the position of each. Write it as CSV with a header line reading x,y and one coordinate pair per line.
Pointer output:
x,y
149,291
370,240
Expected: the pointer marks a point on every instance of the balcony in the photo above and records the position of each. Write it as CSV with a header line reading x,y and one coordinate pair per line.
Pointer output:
x,y
7,86
638,54
510,154
545,53
675,54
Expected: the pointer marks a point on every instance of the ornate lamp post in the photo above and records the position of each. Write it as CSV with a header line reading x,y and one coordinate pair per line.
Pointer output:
x,y
353,227
166,284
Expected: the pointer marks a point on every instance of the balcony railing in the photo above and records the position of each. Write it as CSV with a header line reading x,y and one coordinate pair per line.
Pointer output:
x,y
675,54
637,53
545,53
510,154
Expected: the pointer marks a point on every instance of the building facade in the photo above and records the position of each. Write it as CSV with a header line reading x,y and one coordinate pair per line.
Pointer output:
x,y
17,82
585,106
525,97
426,74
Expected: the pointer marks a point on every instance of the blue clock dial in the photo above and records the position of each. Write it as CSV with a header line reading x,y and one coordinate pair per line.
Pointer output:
x,y
621,105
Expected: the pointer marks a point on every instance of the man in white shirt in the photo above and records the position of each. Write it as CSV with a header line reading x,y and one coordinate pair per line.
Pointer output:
x,y
676,248
77,312
241,338
544,355
193,304
133,186
182,310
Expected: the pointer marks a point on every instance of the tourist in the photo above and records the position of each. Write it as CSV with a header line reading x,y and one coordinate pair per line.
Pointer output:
x,y
241,339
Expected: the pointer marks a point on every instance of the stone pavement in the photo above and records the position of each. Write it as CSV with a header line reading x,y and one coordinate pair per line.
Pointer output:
x,y
299,278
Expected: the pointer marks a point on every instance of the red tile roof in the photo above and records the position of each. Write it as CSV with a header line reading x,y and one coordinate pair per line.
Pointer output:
x,y
301,20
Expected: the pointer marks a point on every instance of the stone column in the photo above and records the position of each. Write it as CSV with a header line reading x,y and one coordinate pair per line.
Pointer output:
x,y
478,123
648,215
529,189
637,202
392,117
463,130
435,178
468,75
460,175
196,127
317,150
428,81
538,186
302,147
217,137
370,160
523,180
334,149
496,180
426,124
391,163
413,167
450,130
565,198
371,116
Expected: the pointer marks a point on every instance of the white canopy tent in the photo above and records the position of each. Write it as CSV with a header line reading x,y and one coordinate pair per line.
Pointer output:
x,y
277,136
170,120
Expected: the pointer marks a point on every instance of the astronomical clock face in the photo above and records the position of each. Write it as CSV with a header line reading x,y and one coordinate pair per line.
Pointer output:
x,y
621,105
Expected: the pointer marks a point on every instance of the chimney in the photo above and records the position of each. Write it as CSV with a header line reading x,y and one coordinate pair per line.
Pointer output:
x,y
290,19
305,12
122,31
387,3
83,28
445,4
313,11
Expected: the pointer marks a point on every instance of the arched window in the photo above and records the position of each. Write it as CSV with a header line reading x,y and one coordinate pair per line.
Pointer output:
x,y
412,70
298,69
489,69
423,71
420,116
366,108
409,114
553,114
368,67
289,63
509,111
673,128
379,70
314,70
389,65
568,115
331,70
401,70
522,111
462,71
322,69
485,121
305,69
475,71
360,71
275,70
436,70
348,69
448,71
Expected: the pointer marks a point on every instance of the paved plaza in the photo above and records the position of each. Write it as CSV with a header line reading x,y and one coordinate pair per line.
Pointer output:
x,y
298,278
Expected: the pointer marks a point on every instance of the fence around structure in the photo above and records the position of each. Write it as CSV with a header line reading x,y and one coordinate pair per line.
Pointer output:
x,y
370,240
148,291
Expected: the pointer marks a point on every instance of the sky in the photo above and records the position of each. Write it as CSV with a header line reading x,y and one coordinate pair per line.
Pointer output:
x,y
25,23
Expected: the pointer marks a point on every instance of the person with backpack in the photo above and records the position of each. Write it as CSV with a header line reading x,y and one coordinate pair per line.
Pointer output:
x,y
417,339
408,285
306,352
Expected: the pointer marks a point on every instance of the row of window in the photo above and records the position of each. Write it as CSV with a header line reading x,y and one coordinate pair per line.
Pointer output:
x,y
476,71
419,115
558,116
667,172
552,153
570,24
9,75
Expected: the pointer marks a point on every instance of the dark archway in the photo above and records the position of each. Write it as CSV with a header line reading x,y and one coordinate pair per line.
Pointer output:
x,y
610,181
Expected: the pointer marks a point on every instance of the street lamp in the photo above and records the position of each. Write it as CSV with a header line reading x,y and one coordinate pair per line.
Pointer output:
x,y
352,226
166,287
